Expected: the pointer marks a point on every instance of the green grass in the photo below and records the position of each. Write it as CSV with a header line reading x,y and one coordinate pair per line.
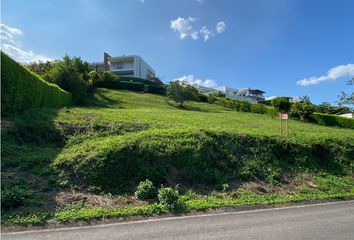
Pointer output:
x,y
123,137
157,112
329,186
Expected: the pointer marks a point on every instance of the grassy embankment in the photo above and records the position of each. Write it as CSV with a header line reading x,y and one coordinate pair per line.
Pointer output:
x,y
81,163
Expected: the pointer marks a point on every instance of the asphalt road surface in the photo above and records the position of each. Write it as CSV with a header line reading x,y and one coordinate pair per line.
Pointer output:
x,y
319,221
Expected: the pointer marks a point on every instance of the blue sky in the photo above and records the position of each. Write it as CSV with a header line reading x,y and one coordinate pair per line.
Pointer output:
x,y
267,44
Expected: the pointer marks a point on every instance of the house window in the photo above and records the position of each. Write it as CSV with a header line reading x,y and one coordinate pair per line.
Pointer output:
x,y
119,65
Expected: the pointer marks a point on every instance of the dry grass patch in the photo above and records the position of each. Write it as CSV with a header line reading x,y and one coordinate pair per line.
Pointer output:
x,y
68,198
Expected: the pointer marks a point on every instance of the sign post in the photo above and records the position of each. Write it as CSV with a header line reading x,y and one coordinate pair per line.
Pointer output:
x,y
283,116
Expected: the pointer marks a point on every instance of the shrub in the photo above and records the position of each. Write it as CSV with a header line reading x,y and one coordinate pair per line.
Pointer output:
x,y
21,89
258,108
333,120
282,104
13,197
241,106
201,157
151,82
271,111
122,85
155,89
95,77
203,97
302,110
169,198
72,75
145,190
245,106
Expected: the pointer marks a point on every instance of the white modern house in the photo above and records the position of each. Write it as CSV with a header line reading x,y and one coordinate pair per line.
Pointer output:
x,y
244,94
126,66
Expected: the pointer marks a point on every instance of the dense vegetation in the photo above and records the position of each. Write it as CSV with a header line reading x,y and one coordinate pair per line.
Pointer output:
x,y
282,104
333,120
180,92
21,89
195,157
124,153
64,164
134,84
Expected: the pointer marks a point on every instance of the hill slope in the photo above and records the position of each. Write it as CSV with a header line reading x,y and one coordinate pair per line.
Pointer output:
x,y
61,164
108,106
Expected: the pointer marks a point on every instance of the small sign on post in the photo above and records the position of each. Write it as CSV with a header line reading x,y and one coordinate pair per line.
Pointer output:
x,y
283,116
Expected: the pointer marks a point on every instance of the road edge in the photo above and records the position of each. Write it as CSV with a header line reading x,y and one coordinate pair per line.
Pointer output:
x,y
57,226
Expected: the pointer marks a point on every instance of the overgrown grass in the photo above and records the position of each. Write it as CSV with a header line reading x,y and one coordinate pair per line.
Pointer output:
x,y
120,138
328,186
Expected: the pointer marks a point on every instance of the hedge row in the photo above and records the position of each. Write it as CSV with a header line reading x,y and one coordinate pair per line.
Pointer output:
x,y
134,86
243,106
333,120
142,81
21,89
118,163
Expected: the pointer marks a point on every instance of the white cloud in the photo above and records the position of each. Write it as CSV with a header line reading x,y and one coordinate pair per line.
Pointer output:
x,y
22,55
333,74
220,27
10,46
210,83
206,33
184,27
8,33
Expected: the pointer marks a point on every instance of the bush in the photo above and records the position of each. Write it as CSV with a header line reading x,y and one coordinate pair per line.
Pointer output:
x,y
72,75
200,157
258,108
13,197
169,198
152,82
241,106
95,77
333,120
21,89
145,190
203,97
155,89
271,111
302,110
282,104
122,85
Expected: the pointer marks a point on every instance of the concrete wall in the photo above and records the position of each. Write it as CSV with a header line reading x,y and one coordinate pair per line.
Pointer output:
x,y
142,69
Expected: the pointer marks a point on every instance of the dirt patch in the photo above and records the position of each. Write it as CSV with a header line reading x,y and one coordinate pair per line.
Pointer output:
x,y
257,187
112,127
63,199
7,124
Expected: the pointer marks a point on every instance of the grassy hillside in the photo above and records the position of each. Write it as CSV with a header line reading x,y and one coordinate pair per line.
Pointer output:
x,y
22,89
157,112
65,164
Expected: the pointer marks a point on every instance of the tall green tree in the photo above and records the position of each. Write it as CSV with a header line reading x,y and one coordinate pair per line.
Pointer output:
x,y
303,109
181,92
347,99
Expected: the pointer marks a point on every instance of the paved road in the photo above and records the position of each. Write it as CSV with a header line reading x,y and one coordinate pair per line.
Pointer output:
x,y
320,221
